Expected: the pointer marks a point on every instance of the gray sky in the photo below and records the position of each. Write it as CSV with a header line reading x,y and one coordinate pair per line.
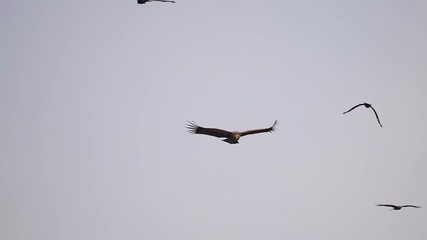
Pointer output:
x,y
94,97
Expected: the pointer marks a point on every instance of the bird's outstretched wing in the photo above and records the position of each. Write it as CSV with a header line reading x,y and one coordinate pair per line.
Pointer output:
x,y
196,129
145,1
351,109
255,131
161,1
411,206
376,115
386,205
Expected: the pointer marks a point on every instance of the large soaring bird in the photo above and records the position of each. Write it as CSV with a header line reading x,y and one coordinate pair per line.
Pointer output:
x,y
367,105
230,137
397,207
145,1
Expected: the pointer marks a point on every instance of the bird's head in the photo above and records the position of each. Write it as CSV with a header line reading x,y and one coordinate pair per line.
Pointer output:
x,y
236,135
367,105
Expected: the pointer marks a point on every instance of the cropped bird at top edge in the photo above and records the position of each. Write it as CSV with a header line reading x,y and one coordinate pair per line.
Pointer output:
x,y
397,207
230,137
145,1
367,105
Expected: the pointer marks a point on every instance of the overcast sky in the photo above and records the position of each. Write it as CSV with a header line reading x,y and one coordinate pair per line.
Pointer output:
x,y
95,95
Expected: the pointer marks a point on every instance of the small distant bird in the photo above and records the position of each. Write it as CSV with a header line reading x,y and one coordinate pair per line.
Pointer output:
x,y
396,207
230,137
367,105
145,1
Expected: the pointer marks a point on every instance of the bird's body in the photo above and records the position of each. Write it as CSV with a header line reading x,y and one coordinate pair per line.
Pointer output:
x,y
145,1
230,137
397,207
367,105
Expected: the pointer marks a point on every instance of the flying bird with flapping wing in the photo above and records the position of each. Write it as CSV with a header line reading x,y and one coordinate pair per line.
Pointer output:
x,y
367,105
230,137
397,207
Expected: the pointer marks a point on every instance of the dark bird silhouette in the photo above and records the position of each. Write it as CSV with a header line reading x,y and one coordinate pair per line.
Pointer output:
x,y
397,207
145,1
367,105
230,137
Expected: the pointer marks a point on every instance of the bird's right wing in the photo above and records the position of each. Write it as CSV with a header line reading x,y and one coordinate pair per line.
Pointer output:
x,y
162,1
376,114
262,130
411,206
196,129
351,109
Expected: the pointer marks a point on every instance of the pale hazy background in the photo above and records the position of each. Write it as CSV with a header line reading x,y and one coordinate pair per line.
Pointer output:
x,y
94,97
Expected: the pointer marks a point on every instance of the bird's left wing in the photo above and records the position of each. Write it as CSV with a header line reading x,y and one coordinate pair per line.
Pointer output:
x,y
386,205
196,129
255,131
351,109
